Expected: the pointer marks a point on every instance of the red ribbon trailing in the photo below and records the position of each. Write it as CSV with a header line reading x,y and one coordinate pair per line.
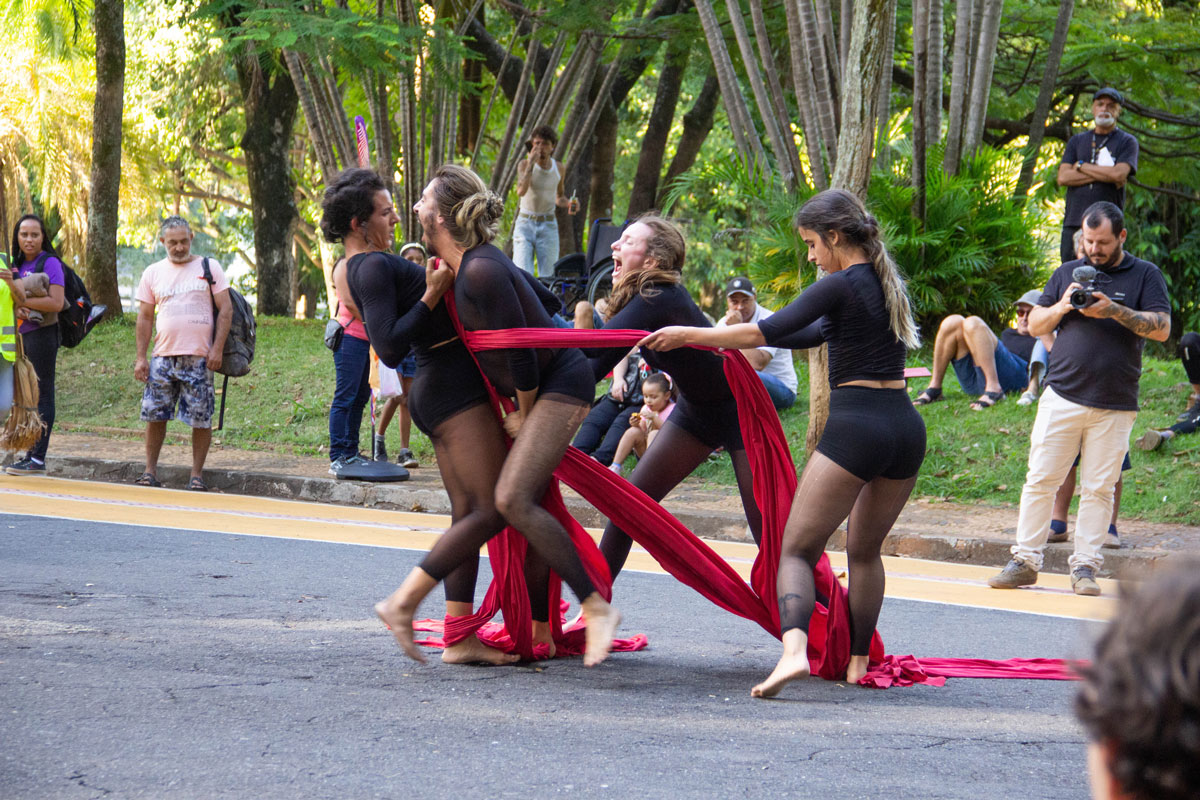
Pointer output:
x,y
683,554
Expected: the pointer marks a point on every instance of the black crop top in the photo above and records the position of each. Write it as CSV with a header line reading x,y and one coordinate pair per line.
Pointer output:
x,y
493,293
387,290
699,374
845,309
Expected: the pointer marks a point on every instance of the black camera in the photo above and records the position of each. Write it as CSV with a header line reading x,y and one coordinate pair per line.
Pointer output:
x,y
1082,297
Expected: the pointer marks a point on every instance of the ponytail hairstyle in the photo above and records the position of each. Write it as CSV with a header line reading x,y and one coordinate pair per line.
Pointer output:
x,y
666,246
836,210
470,211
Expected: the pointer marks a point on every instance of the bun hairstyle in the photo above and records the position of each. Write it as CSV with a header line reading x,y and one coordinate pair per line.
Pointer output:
x,y
667,247
349,196
469,210
836,210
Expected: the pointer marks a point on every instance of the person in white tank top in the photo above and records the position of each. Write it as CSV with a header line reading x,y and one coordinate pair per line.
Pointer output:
x,y
540,187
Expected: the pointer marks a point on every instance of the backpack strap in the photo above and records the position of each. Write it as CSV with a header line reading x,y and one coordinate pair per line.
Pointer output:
x,y
208,278
40,264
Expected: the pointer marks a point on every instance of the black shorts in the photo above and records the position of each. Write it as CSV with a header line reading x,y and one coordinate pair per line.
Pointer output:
x,y
447,382
873,433
569,373
716,425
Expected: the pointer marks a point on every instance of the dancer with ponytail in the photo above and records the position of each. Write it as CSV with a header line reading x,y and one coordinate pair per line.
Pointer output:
x,y
553,388
866,463
401,307
647,295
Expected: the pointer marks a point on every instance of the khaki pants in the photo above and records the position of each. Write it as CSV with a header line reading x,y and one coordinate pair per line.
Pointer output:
x,y
1062,431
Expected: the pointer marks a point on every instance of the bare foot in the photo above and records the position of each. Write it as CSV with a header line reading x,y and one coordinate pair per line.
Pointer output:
x,y
791,667
473,651
857,669
399,619
602,621
542,634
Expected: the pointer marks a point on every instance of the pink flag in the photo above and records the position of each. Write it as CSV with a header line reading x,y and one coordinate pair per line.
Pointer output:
x,y
360,136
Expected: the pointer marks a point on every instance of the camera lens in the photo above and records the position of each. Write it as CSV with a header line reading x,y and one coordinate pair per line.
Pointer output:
x,y
1080,298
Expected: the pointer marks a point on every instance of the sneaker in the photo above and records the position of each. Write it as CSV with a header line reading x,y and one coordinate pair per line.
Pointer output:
x,y
27,466
336,465
1083,581
1150,440
1015,573
1112,539
1028,398
379,452
1058,531
406,459
1193,410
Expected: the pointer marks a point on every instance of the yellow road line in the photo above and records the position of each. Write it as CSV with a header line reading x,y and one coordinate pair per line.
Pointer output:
x,y
911,579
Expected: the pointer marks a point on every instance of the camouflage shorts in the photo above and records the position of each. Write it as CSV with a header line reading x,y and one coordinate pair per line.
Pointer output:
x,y
183,379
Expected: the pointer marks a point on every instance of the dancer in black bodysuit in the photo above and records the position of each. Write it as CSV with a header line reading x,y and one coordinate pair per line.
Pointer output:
x,y
400,305
553,388
647,271
874,442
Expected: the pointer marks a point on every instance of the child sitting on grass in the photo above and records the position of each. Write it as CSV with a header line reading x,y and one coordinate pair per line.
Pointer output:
x,y
645,424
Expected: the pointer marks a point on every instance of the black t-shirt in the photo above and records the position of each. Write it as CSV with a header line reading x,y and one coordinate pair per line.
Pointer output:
x,y
1098,362
847,310
1019,344
1115,147
699,374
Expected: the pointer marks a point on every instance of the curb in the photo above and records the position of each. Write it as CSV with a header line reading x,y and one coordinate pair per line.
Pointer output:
x,y
723,526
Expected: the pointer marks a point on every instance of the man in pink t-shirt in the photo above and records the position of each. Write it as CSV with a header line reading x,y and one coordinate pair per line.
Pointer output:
x,y
188,345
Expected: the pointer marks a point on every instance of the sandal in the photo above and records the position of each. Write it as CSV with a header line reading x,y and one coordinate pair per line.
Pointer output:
x,y
197,485
146,479
930,395
987,400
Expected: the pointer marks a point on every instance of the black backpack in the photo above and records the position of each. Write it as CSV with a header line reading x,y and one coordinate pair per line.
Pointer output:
x,y
74,321
239,345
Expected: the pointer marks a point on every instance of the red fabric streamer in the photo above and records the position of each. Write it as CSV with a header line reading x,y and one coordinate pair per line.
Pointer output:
x,y
688,558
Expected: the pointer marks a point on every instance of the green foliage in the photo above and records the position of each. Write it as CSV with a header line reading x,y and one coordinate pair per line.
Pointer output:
x,y
978,249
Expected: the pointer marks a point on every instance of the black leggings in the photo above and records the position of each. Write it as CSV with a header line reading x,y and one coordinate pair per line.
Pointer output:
x,y
1189,352
830,491
41,347
675,455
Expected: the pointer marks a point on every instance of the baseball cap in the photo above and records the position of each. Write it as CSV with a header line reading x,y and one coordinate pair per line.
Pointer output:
x,y
1030,298
1111,94
740,285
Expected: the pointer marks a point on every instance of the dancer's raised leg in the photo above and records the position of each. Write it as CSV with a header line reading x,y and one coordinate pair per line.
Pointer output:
x,y
536,452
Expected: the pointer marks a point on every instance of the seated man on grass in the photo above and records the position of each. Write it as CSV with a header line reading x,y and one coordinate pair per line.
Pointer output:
x,y
985,366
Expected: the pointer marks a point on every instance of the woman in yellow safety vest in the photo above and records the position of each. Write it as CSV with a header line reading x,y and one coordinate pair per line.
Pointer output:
x,y
10,297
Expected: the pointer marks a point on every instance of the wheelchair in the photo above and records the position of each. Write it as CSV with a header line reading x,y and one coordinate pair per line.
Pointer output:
x,y
587,276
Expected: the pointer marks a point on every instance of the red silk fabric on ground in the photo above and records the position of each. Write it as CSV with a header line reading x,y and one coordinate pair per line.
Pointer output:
x,y
688,558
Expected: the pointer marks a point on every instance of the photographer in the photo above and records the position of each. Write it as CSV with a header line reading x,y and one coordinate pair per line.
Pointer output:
x,y
1090,401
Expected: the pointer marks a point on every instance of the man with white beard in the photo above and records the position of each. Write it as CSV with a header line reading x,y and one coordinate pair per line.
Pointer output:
x,y
1095,165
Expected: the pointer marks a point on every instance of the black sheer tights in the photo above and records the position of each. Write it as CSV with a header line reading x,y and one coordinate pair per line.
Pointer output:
x,y
539,447
674,456
470,451
826,495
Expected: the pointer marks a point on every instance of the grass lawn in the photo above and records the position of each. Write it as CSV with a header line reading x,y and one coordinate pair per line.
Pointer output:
x,y
973,456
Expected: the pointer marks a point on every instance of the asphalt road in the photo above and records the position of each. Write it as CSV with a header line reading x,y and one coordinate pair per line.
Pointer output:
x,y
144,662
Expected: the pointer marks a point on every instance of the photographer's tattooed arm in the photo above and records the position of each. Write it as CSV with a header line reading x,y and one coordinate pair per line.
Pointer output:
x,y
1154,325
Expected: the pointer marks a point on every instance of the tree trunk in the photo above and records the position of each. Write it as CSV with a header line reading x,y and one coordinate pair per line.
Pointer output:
x,y
882,145
1041,109
920,26
959,85
802,90
514,119
697,123
766,109
658,127
778,101
604,161
270,105
933,74
745,137
819,70
981,80
100,271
